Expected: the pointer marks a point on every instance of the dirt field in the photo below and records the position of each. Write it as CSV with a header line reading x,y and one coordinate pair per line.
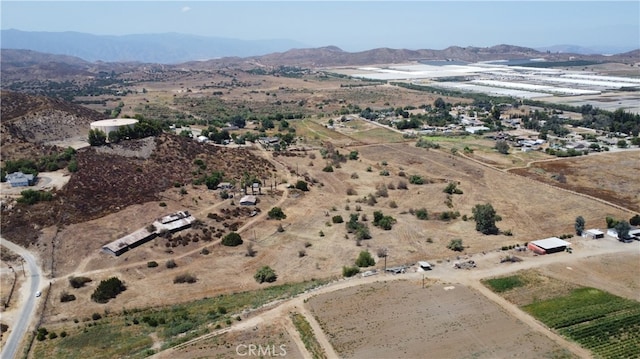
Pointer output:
x,y
608,176
401,319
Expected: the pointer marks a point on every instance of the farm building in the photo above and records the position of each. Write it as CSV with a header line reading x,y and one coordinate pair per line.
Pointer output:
x,y
114,124
19,179
593,233
172,223
548,245
248,200
131,240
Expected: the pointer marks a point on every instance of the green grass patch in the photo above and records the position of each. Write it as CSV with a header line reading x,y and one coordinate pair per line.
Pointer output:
x,y
604,323
307,336
127,334
504,284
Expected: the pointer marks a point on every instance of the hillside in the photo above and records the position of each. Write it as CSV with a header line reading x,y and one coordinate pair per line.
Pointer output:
x,y
114,177
29,122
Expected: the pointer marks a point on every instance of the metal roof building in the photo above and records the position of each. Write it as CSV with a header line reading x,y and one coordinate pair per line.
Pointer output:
x,y
548,245
19,179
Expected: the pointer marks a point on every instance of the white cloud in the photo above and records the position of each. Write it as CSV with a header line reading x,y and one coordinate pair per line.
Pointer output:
x,y
185,9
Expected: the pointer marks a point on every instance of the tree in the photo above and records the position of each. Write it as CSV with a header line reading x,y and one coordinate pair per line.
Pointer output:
x,y
486,218
97,138
502,147
622,144
353,155
108,289
623,228
214,179
302,185
635,220
579,225
276,213
456,245
265,274
350,271
365,259
232,239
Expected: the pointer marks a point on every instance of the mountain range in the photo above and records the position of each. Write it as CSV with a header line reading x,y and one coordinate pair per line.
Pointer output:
x,y
173,48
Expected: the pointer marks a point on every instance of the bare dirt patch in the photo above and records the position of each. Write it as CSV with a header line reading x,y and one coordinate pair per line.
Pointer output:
x,y
273,338
393,319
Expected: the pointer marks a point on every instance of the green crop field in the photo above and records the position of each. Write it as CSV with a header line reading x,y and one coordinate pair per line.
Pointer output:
x,y
606,324
503,284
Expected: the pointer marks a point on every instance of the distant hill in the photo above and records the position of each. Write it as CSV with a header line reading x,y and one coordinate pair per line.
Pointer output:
x,y
152,48
174,48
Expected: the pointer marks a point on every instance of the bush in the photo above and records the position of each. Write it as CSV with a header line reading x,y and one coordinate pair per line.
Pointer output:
x,y
452,188
276,213
108,289
265,274
171,264
78,282
232,239
96,316
422,214
42,334
66,297
456,245
185,278
302,185
350,271
328,168
337,219
416,179
152,264
635,220
365,259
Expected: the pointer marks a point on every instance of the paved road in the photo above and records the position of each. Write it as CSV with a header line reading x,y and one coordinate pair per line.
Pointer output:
x,y
27,309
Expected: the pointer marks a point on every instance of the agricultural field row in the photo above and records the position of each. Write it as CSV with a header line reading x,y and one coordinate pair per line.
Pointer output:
x,y
604,323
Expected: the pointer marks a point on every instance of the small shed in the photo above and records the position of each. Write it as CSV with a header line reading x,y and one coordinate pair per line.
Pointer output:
x,y
548,245
593,233
19,179
248,200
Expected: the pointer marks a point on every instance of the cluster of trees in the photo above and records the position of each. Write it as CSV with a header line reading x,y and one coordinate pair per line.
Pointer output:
x,y
143,128
30,196
52,162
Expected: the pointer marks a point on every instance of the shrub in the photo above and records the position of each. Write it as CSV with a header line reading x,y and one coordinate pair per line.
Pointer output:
x,y
66,297
171,264
78,282
265,274
350,271
354,176
393,204
422,214
53,335
365,259
96,316
185,278
152,264
384,173
328,168
232,239
635,220
402,185
108,289
337,219
415,179
302,253
280,228
452,188
42,334
276,213
302,185
456,245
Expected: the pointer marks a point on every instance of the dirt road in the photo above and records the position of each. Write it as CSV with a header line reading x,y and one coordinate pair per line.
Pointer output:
x,y
276,312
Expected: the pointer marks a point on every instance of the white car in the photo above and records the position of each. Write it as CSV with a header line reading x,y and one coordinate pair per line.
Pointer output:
x,y
38,293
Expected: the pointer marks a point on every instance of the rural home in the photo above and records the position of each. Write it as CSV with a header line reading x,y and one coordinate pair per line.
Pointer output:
x,y
19,179
548,245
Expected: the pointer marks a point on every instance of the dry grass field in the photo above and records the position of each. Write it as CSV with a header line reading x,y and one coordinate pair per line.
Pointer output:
x,y
402,319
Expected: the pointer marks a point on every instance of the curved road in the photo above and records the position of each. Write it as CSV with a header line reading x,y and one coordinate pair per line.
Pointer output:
x,y
27,309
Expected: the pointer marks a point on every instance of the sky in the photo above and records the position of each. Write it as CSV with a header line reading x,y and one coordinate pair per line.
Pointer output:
x,y
350,25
